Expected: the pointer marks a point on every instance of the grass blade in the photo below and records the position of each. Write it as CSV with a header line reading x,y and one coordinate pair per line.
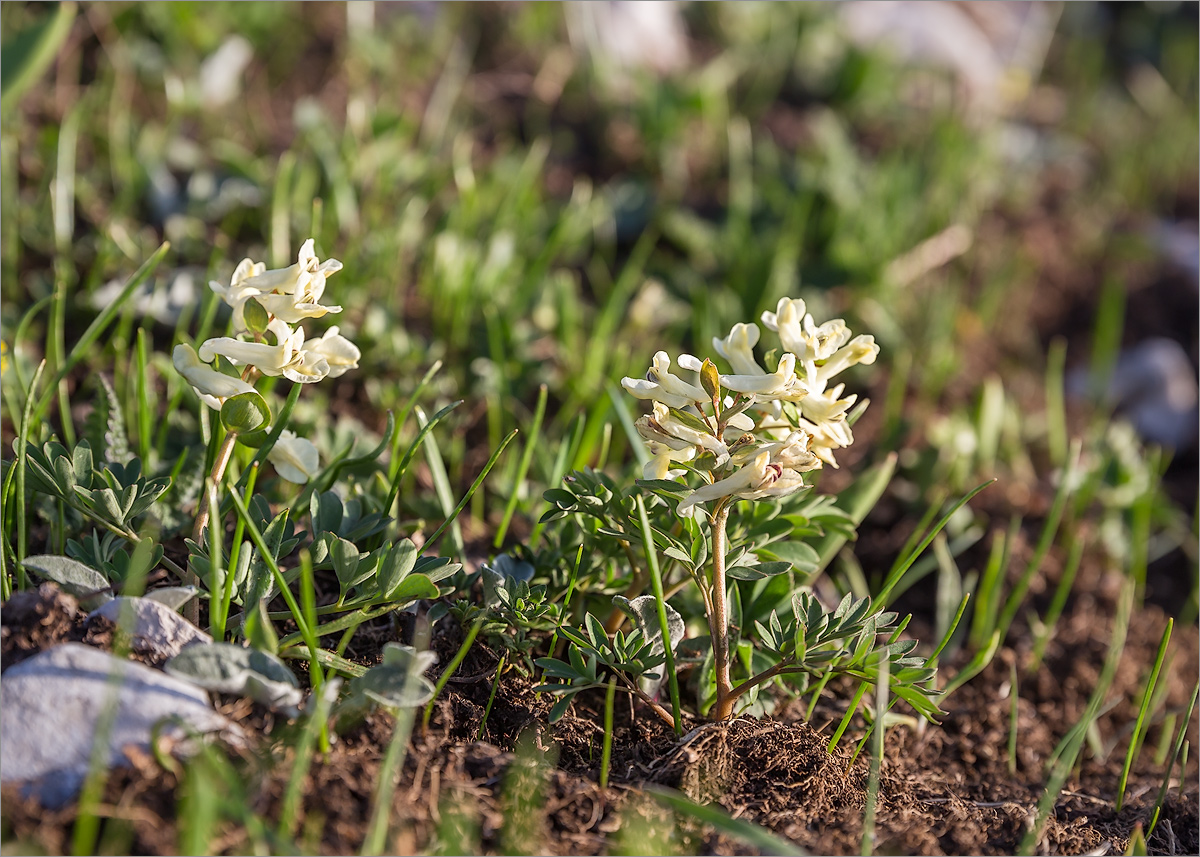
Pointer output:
x,y
522,467
752,834
99,324
1180,747
881,707
660,604
1139,727
1064,761
449,671
462,504
1049,532
314,726
377,828
606,752
268,558
857,501
402,468
895,575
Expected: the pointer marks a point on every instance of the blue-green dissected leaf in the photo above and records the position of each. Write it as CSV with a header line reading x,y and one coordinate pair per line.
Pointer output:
x,y
173,596
72,577
228,668
758,572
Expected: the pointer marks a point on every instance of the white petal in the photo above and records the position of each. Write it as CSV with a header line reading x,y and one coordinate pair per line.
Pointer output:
x,y
738,349
640,388
340,354
747,478
212,386
295,458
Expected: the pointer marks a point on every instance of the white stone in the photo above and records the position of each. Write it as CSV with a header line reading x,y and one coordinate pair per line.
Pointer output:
x,y
50,706
154,627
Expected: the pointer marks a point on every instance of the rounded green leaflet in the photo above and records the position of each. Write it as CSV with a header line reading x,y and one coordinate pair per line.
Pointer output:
x,y
254,439
245,413
255,316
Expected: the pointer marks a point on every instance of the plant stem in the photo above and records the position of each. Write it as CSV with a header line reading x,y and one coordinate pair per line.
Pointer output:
x,y
664,715
192,611
218,473
718,623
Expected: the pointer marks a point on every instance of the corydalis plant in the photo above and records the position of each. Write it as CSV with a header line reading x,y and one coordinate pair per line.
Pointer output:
x,y
267,307
747,435
267,304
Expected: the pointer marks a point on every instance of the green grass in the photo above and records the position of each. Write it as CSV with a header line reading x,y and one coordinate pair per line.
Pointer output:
x,y
516,239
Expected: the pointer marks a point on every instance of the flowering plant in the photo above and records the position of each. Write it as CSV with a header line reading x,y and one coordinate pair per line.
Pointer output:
x,y
267,307
266,304
747,435
715,440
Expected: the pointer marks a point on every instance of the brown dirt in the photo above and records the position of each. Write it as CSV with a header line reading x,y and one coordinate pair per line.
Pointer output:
x,y
944,789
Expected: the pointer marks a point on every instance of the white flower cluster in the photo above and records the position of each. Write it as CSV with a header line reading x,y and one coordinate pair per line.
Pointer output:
x,y
797,423
269,344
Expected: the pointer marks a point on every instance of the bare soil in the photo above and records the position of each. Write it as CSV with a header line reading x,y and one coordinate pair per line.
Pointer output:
x,y
945,789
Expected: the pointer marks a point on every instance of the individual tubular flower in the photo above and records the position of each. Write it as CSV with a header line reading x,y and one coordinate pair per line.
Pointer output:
x,y
661,385
761,478
780,385
266,358
238,291
862,349
788,322
340,354
295,458
663,427
661,458
211,386
738,349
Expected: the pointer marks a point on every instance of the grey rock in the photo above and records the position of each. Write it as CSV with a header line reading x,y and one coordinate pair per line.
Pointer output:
x,y
51,705
154,627
1153,385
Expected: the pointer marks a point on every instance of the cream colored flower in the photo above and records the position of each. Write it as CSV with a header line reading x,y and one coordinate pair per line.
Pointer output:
x,y
295,279
211,386
339,353
663,386
782,384
738,349
238,292
758,479
862,349
665,428
266,358
800,335
662,456
788,322
791,453
295,458
290,294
